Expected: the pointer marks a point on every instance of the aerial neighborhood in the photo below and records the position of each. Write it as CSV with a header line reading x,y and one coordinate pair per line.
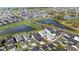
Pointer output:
x,y
39,29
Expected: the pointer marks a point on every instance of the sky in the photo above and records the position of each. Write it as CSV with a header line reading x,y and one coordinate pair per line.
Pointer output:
x,y
12,3
38,3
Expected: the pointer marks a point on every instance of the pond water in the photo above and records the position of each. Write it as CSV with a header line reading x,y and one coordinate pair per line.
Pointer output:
x,y
55,23
21,28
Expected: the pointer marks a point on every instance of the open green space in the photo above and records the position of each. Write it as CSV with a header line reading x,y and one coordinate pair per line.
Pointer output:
x,y
33,23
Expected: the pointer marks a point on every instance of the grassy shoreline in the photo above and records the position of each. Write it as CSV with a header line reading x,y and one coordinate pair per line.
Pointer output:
x,y
33,23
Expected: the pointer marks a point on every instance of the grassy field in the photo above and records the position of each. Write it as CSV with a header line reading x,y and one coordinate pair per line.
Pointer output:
x,y
72,23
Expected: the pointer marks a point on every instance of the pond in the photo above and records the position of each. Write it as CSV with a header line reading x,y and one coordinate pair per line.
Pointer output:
x,y
55,23
21,28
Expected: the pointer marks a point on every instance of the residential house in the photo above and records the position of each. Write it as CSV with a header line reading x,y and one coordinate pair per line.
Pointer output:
x,y
19,38
23,45
45,47
70,38
11,40
37,36
35,48
46,34
71,48
12,47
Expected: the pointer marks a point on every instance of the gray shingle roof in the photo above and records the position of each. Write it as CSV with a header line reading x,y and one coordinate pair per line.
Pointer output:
x,y
38,37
